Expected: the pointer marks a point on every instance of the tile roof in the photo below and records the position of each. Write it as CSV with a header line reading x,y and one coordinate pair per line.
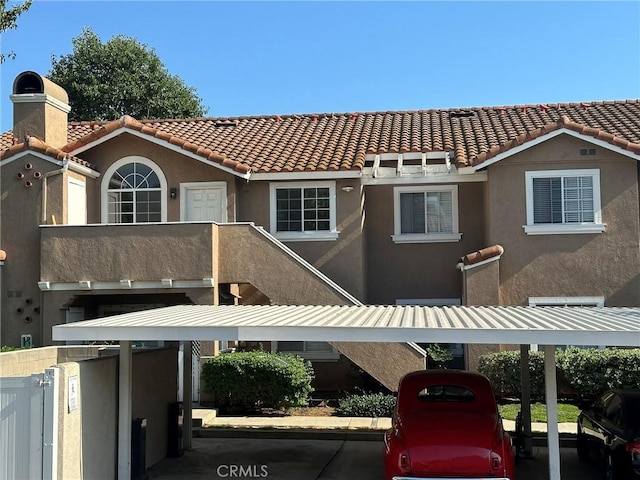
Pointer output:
x,y
36,145
340,141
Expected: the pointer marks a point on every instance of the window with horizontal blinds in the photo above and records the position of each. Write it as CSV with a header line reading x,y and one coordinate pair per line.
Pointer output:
x,y
563,199
563,202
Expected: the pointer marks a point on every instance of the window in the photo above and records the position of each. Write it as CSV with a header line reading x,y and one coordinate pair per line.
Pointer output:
x,y
426,214
134,191
446,393
563,201
301,211
309,350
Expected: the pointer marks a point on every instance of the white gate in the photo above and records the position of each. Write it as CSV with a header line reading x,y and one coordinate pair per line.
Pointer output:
x,y
28,424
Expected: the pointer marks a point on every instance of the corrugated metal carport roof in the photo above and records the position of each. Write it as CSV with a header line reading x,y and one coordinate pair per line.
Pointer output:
x,y
369,323
547,326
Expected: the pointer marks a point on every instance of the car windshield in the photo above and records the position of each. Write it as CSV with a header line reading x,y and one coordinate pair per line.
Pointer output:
x,y
446,393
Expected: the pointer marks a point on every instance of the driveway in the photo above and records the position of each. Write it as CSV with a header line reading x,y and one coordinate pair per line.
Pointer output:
x,y
297,459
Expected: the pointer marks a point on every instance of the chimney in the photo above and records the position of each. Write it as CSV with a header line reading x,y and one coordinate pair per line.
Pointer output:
x,y
40,109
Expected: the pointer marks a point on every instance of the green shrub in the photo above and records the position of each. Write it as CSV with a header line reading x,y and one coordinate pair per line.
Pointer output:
x,y
367,405
503,369
591,371
6,348
250,381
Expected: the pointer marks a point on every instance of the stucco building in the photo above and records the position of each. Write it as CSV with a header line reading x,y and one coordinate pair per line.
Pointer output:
x,y
522,205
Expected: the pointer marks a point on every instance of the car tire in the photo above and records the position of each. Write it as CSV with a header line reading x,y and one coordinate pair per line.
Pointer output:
x,y
581,445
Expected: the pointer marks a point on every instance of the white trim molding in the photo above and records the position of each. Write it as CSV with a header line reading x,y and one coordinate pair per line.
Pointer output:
x,y
532,228
399,237
309,235
463,268
125,284
39,98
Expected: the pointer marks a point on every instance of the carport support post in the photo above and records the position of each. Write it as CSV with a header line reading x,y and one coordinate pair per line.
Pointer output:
x,y
124,411
187,394
525,399
551,395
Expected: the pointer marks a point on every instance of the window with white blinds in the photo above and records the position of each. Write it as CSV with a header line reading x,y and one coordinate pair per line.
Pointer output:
x,y
426,214
563,201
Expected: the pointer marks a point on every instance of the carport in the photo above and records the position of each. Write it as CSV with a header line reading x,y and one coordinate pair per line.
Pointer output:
x,y
548,326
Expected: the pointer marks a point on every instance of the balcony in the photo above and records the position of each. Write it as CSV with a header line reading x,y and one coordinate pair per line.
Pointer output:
x,y
116,256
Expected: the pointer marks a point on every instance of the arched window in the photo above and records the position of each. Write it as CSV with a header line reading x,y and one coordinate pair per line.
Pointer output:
x,y
134,191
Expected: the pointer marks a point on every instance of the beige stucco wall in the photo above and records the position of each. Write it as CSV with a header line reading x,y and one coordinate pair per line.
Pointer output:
x,y
21,213
342,260
605,264
34,360
418,270
176,167
481,284
248,257
87,437
134,252
40,120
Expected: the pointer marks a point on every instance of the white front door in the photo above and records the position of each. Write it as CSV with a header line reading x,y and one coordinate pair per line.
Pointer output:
x,y
204,202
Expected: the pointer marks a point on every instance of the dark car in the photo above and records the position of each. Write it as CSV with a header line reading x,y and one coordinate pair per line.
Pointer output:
x,y
446,425
609,434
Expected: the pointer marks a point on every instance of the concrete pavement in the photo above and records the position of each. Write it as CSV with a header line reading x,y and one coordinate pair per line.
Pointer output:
x,y
210,420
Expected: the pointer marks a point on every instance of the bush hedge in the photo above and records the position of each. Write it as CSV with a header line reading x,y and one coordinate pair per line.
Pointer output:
x,y
250,381
592,371
503,369
366,405
586,371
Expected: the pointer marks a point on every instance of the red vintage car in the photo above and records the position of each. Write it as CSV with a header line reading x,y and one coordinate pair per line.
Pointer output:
x,y
446,425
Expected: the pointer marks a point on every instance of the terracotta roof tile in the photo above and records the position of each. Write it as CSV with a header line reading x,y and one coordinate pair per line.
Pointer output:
x,y
36,145
340,141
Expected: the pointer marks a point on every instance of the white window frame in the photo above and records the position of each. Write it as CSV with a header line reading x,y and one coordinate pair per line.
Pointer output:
x,y
104,188
566,301
596,226
315,235
399,237
332,356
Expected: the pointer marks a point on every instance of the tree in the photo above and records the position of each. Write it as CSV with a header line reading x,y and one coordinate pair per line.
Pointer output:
x,y
9,20
105,81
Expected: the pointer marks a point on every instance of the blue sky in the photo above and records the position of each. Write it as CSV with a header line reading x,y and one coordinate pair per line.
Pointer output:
x,y
255,58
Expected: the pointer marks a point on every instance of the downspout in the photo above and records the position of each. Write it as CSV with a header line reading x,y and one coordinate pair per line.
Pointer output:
x,y
65,167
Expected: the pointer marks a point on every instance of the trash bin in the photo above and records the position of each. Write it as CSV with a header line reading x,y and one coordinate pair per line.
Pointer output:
x,y
139,449
174,434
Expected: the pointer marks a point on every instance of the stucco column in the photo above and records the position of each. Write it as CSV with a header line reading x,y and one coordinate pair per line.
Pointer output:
x,y
525,400
551,396
124,411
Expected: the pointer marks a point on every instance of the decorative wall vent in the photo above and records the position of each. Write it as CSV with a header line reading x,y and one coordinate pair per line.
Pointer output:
x,y
587,151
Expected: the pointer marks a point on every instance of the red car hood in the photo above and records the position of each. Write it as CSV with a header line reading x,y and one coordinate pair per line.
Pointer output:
x,y
457,443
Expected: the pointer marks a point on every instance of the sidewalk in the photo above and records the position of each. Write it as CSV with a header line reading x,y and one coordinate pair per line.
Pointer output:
x,y
210,420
